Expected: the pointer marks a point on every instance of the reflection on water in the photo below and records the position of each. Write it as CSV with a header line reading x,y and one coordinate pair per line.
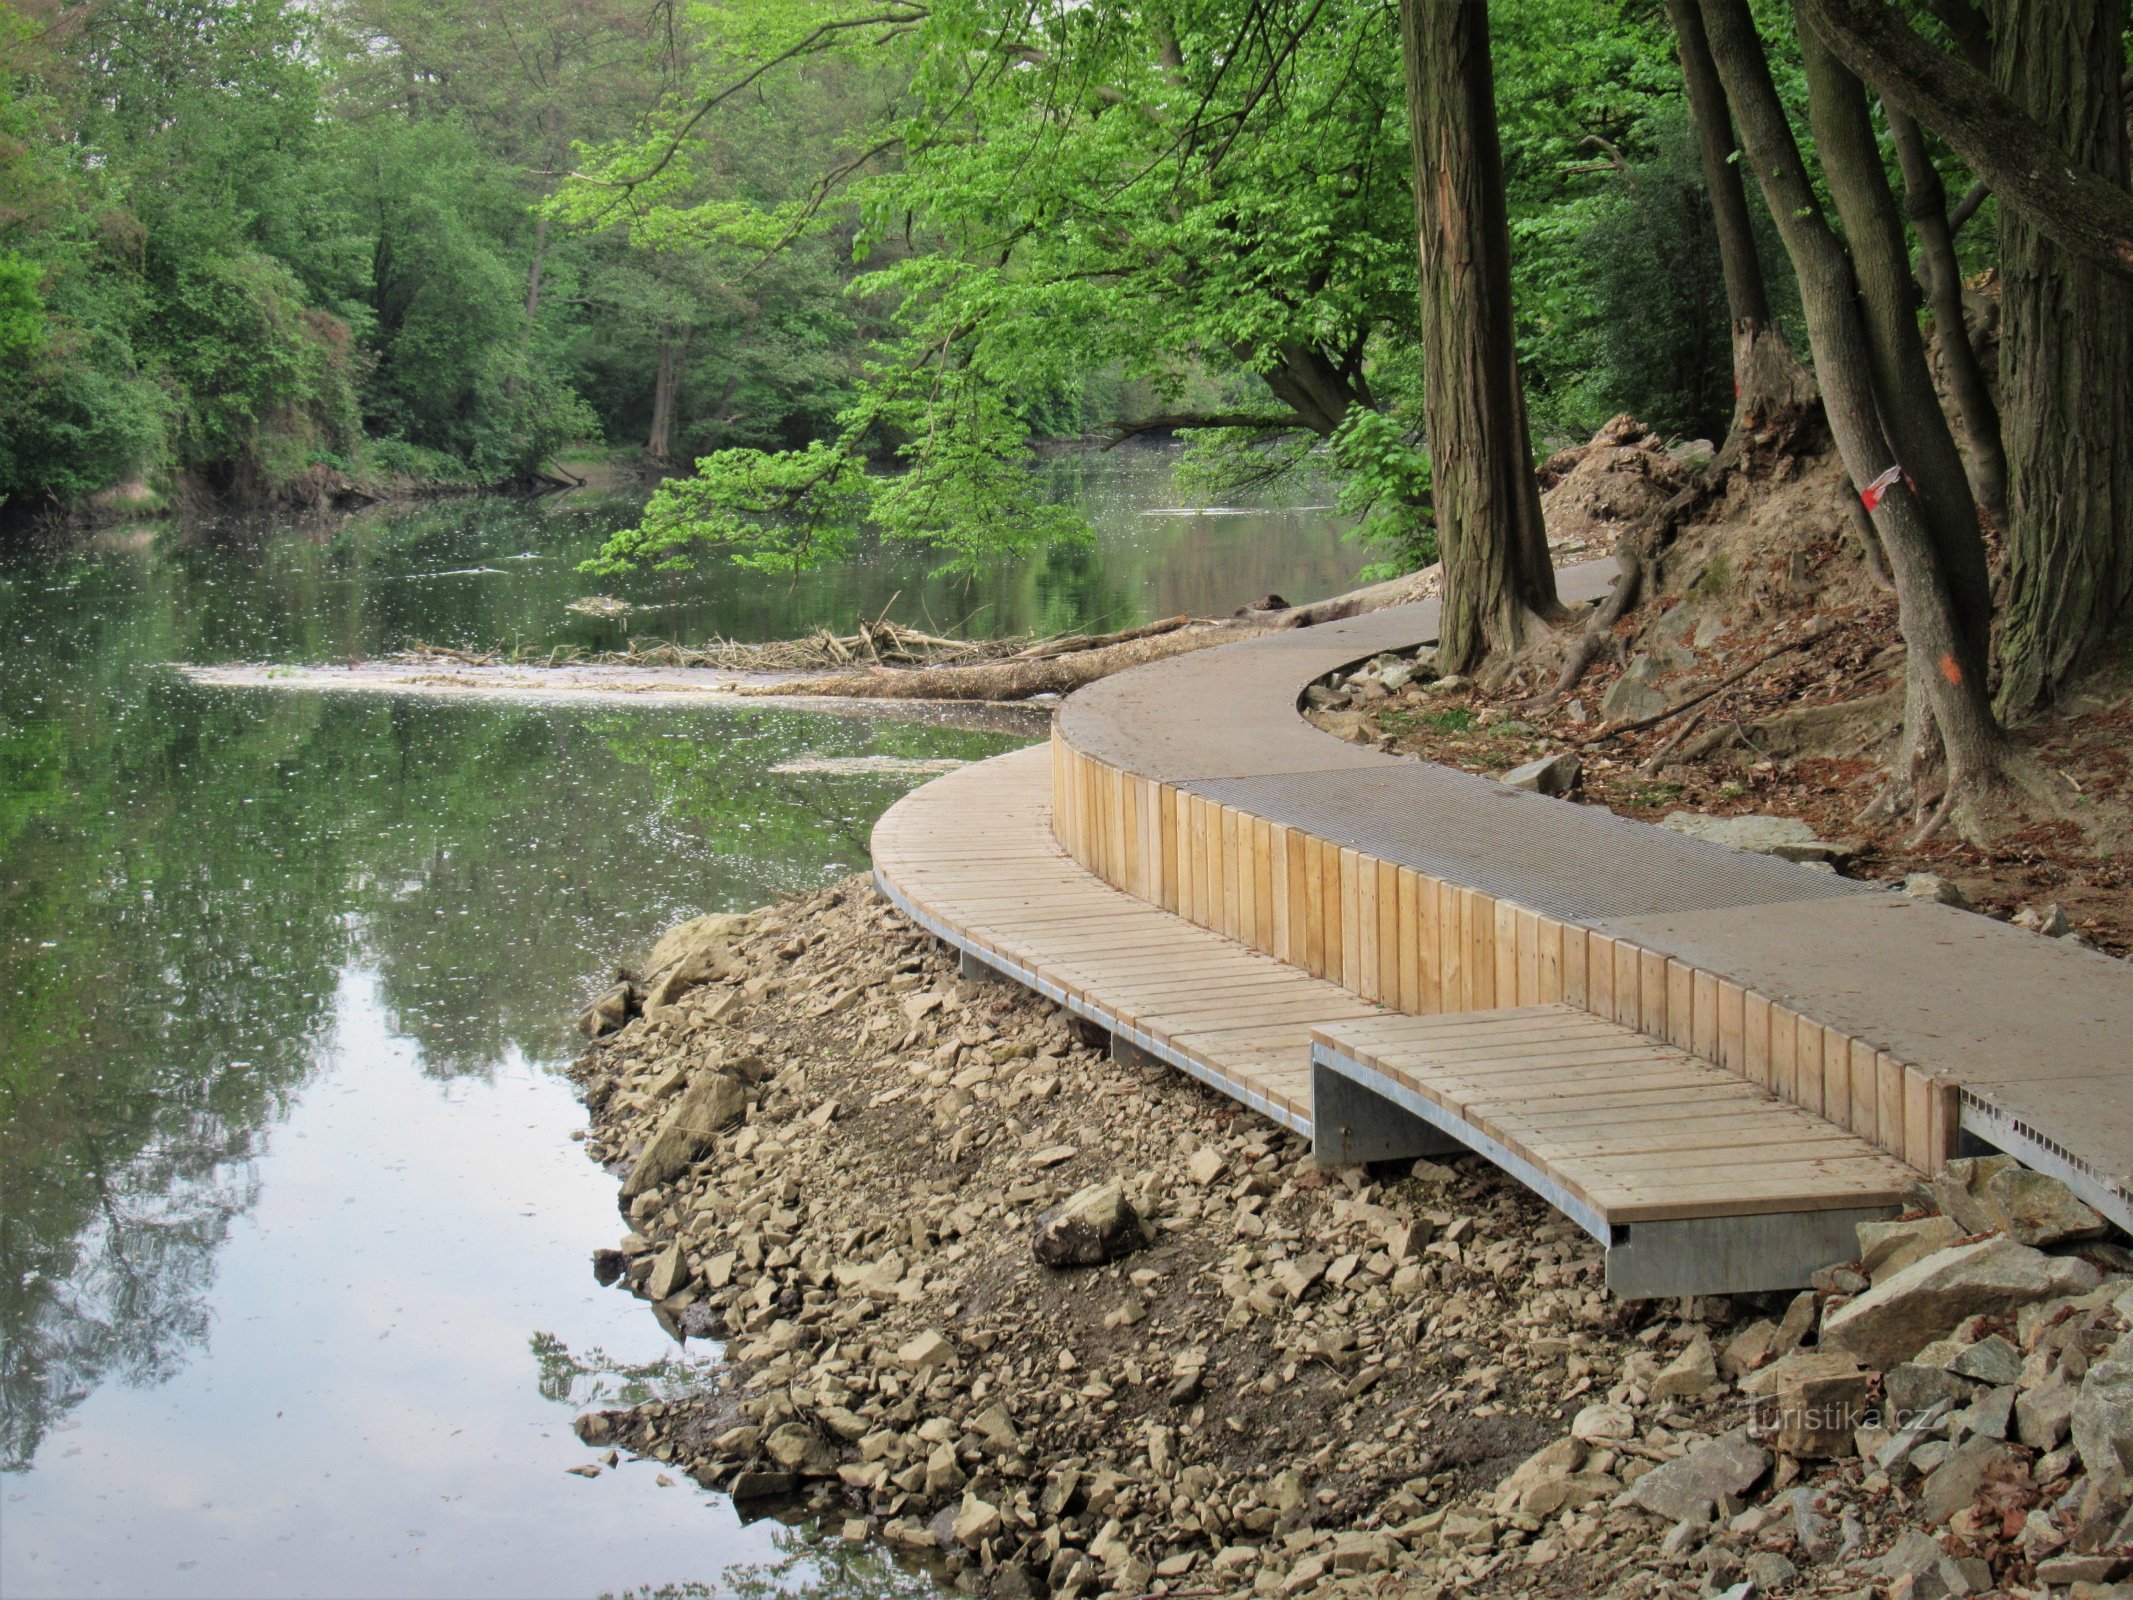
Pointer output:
x,y
293,1284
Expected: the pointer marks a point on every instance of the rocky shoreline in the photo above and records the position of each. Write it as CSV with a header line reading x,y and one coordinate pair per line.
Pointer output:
x,y
1058,1323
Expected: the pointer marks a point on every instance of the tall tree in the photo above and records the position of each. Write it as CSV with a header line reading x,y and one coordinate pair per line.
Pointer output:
x,y
2049,133
2066,347
1497,577
1768,380
1953,752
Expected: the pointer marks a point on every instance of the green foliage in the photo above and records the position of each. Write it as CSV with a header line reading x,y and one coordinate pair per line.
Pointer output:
x,y
787,511
1387,491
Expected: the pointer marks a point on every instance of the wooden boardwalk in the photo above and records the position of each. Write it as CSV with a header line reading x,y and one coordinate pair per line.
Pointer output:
x,y
1584,1110
1313,926
971,857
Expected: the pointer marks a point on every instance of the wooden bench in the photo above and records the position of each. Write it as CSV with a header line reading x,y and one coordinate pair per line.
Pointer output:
x,y
1695,1180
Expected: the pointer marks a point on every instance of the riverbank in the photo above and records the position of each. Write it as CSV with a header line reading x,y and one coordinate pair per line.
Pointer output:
x,y
853,1165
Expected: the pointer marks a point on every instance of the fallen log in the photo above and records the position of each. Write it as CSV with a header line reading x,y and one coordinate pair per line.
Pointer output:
x,y
1020,678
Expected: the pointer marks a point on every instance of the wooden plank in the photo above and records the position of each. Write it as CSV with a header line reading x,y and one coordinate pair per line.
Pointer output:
x,y
1348,969
1503,946
1548,942
1680,1005
1263,882
1413,946
1704,1008
1577,946
1478,912
1233,873
1889,1107
1329,870
1866,1090
1731,1009
1362,873
1600,976
1755,1039
1314,907
1388,932
1653,994
1278,924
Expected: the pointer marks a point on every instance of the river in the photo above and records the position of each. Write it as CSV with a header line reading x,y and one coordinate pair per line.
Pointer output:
x,y
294,1286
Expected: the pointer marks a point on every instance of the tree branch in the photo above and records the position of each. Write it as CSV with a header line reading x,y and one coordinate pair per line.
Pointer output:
x,y
2079,210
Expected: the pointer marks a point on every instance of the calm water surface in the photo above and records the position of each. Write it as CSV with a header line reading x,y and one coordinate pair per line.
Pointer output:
x,y
294,1293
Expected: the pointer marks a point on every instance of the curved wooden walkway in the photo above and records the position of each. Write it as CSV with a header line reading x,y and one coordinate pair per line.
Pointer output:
x,y
1196,867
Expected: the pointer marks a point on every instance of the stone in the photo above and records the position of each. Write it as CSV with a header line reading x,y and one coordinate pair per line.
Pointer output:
x,y
1692,1373
2102,1424
1602,1423
976,1521
1955,1483
1903,1313
1768,1573
670,1271
1090,1227
1785,837
1991,1360
1748,1349
689,941
1204,1165
1551,775
800,1450
1886,1248
1537,1477
608,1013
1911,1388
1632,697
2035,1208
1932,886
1808,1404
1691,1485
714,1100
2052,922
1992,1412
925,1352
1916,1568
1796,1324
2044,1414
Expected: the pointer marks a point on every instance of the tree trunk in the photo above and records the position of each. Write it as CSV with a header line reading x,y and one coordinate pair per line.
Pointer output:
x,y
2066,367
1926,204
1768,380
1497,578
666,388
1948,718
1912,419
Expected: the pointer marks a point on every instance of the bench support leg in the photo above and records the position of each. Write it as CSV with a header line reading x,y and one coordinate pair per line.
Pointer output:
x,y
1732,1255
1350,1125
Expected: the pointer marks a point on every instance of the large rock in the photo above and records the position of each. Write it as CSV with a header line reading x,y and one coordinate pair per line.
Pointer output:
x,y
711,1102
1988,1193
1955,1483
1808,1404
2102,1424
1556,774
689,955
1095,1225
1901,1315
1690,1486
1886,1248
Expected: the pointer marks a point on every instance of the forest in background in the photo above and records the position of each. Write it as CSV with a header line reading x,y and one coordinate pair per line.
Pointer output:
x,y
252,250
